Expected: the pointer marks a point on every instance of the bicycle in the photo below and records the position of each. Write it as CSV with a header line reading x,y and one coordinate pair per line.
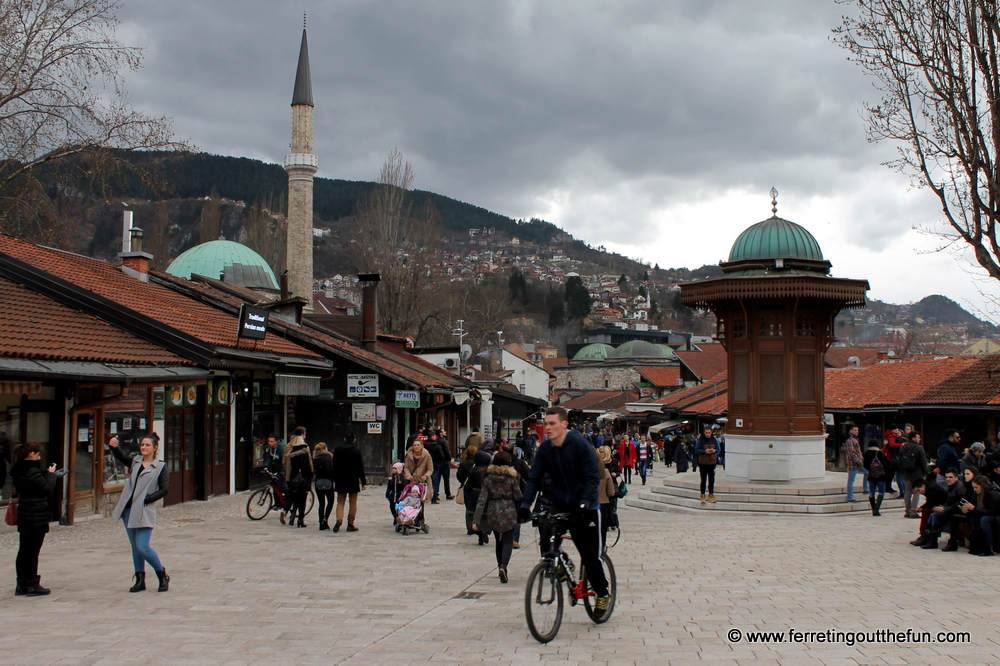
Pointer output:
x,y
260,503
544,599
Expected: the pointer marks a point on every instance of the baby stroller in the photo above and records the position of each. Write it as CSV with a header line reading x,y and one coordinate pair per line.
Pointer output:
x,y
410,509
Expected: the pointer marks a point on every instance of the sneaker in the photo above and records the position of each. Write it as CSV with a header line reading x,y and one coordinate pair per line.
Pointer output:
x,y
435,501
516,545
601,606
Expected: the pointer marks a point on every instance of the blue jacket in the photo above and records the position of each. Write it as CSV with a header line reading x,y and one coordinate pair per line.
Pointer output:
x,y
572,471
946,456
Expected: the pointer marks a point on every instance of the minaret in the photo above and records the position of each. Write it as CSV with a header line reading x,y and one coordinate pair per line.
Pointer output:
x,y
301,165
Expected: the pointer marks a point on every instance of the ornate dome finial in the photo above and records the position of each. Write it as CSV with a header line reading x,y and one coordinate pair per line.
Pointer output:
x,y
774,201
303,20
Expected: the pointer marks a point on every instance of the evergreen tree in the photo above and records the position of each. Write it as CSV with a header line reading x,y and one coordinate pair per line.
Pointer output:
x,y
557,315
518,286
577,298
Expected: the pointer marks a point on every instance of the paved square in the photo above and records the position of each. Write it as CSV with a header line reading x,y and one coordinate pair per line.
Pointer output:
x,y
248,592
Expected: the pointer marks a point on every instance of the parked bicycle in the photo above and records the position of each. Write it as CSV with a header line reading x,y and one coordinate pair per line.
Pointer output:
x,y
270,497
544,597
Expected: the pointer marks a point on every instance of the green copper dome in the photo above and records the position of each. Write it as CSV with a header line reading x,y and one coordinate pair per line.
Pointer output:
x,y
638,349
776,238
234,262
667,350
594,352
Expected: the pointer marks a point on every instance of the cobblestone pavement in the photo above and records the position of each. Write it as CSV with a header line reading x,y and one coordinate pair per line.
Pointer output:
x,y
259,593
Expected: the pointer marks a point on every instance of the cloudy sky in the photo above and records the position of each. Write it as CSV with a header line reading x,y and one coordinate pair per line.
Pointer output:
x,y
653,127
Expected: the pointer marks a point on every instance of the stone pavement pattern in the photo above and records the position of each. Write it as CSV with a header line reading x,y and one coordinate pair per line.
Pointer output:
x,y
259,593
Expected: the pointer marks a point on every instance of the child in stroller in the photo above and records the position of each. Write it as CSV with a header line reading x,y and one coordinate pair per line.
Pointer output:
x,y
410,510
394,486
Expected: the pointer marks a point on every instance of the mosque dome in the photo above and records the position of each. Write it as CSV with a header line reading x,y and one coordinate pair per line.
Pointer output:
x,y
667,350
237,263
597,351
638,349
776,238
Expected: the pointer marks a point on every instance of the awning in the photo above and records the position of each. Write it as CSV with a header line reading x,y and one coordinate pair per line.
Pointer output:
x,y
640,407
608,416
20,388
296,385
667,424
99,372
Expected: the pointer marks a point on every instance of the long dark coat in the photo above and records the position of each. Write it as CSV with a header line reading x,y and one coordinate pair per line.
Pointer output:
x,y
34,486
348,469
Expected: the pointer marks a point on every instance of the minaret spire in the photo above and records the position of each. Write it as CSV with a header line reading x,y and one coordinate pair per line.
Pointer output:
x,y
301,165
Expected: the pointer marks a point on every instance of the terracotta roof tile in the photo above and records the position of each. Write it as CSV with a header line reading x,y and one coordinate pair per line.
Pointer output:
x,y
708,362
661,376
37,327
152,300
837,357
709,393
600,400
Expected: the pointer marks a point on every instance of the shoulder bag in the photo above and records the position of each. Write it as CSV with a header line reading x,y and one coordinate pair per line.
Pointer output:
x,y
460,495
11,516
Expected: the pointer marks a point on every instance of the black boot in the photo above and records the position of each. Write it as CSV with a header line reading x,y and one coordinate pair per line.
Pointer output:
x,y
878,505
21,588
924,538
140,582
951,546
323,525
871,503
164,581
932,541
34,588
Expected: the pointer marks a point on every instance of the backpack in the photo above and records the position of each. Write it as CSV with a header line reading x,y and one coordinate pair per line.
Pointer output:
x,y
876,470
907,460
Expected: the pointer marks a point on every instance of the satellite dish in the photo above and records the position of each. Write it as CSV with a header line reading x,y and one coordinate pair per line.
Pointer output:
x,y
466,352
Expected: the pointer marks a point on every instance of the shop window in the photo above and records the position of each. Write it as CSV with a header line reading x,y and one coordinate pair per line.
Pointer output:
x,y
126,419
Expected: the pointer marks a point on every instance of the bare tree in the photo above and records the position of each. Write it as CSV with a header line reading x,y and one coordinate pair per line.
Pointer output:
x,y
265,231
208,226
401,246
938,67
62,94
158,242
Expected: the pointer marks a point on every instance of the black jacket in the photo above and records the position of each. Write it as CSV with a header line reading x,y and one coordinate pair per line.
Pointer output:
x,y
323,465
464,468
348,469
936,494
439,454
474,481
956,494
869,457
573,472
991,505
34,486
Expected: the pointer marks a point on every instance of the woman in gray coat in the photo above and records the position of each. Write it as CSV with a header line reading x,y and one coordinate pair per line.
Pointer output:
x,y
147,482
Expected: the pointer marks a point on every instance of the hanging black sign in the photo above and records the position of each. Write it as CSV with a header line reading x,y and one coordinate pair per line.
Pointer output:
x,y
253,322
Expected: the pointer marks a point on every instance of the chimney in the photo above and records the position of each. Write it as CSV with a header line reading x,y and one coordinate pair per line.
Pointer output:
x,y
369,309
135,262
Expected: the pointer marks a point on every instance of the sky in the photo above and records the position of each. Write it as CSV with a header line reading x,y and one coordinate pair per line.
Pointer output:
x,y
654,128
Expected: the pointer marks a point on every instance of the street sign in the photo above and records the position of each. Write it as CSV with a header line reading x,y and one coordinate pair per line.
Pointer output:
x,y
362,386
375,428
408,399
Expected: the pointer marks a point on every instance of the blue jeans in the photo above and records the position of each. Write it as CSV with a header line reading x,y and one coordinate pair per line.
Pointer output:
x,y
643,466
138,538
937,519
900,484
852,475
989,525
873,485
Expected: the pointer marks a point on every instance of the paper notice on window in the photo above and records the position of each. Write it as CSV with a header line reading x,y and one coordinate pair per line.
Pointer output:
x,y
114,427
142,424
83,435
126,424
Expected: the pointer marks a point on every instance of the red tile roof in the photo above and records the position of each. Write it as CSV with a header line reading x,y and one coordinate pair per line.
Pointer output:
x,y
660,376
708,362
600,400
837,357
37,327
709,397
155,301
893,383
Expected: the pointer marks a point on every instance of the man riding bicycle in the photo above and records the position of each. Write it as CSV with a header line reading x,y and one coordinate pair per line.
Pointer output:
x,y
274,452
566,461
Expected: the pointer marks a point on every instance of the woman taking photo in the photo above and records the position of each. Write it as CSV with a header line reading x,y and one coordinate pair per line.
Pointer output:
x,y
299,472
147,482
33,486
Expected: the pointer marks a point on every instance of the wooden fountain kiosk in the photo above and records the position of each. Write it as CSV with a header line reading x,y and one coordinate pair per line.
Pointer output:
x,y
775,307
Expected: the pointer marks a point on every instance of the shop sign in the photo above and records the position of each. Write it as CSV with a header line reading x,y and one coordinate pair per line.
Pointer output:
x,y
363,411
296,385
408,399
133,404
158,400
218,392
362,386
375,428
253,323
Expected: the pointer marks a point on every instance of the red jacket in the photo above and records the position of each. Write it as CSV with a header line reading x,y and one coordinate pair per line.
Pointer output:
x,y
626,454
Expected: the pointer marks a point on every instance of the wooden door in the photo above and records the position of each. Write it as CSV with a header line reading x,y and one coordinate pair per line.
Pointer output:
x,y
217,422
173,454
85,458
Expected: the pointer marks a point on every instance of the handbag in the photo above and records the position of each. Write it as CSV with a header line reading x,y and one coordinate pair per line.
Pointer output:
x,y
460,495
324,484
11,516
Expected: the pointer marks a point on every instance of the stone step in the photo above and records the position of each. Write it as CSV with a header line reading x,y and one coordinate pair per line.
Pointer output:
x,y
660,501
736,497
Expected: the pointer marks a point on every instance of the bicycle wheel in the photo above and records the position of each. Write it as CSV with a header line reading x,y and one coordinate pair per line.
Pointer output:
x,y
543,602
309,502
259,504
588,602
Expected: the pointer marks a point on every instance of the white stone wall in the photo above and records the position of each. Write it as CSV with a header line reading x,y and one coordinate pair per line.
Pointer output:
x,y
592,378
